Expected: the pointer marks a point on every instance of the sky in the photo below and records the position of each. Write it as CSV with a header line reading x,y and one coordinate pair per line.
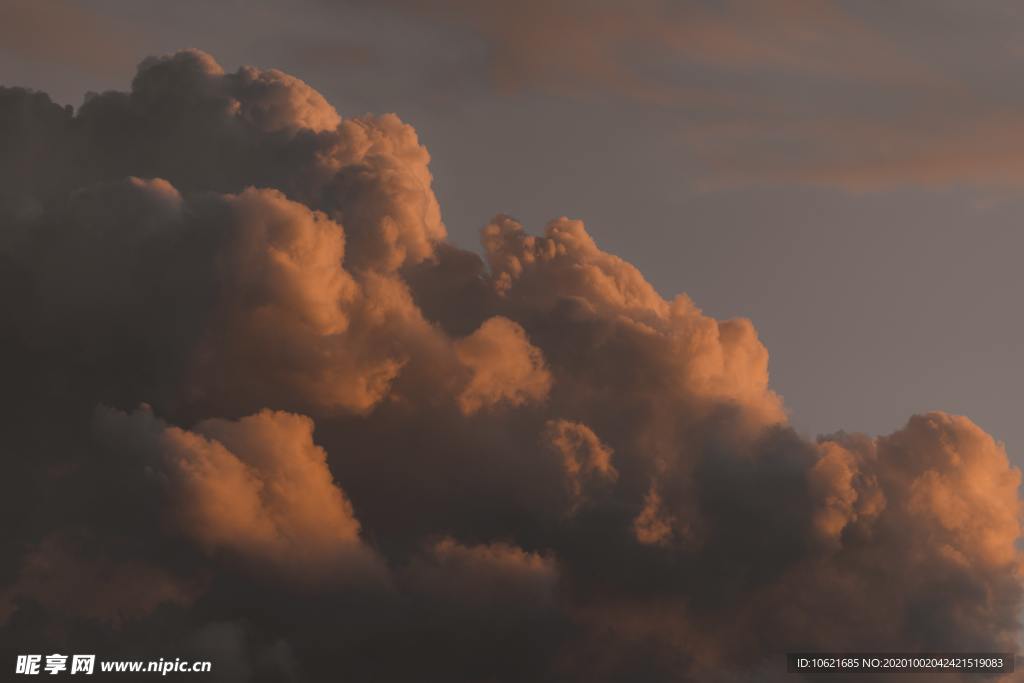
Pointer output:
x,y
509,340
846,175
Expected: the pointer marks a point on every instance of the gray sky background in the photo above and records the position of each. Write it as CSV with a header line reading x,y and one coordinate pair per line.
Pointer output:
x,y
847,175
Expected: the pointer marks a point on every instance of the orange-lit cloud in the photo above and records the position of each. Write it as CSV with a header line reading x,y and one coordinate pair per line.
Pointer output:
x,y
587,462
258,487
504,367
359,437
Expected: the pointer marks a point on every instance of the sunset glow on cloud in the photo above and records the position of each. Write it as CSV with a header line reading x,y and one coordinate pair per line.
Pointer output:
x,y
248,379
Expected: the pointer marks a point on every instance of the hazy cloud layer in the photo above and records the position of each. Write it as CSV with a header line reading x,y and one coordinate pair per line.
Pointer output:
x,y
246,376
860,96
64,33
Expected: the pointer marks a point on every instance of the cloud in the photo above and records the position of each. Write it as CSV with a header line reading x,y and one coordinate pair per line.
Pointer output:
x,y
189,123
252,277
651,526
480,577
971,145
356,436
583,46
504,367
258,487
587,462
64,574
801,92
64,33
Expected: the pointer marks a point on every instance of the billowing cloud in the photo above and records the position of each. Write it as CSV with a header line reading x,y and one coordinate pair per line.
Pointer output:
x,y
504,367
190,123
258,487
254,384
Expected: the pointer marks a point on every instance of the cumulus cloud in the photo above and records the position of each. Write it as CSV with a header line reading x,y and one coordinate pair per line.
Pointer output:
x,y
355,436
258,487
504,367
190,123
